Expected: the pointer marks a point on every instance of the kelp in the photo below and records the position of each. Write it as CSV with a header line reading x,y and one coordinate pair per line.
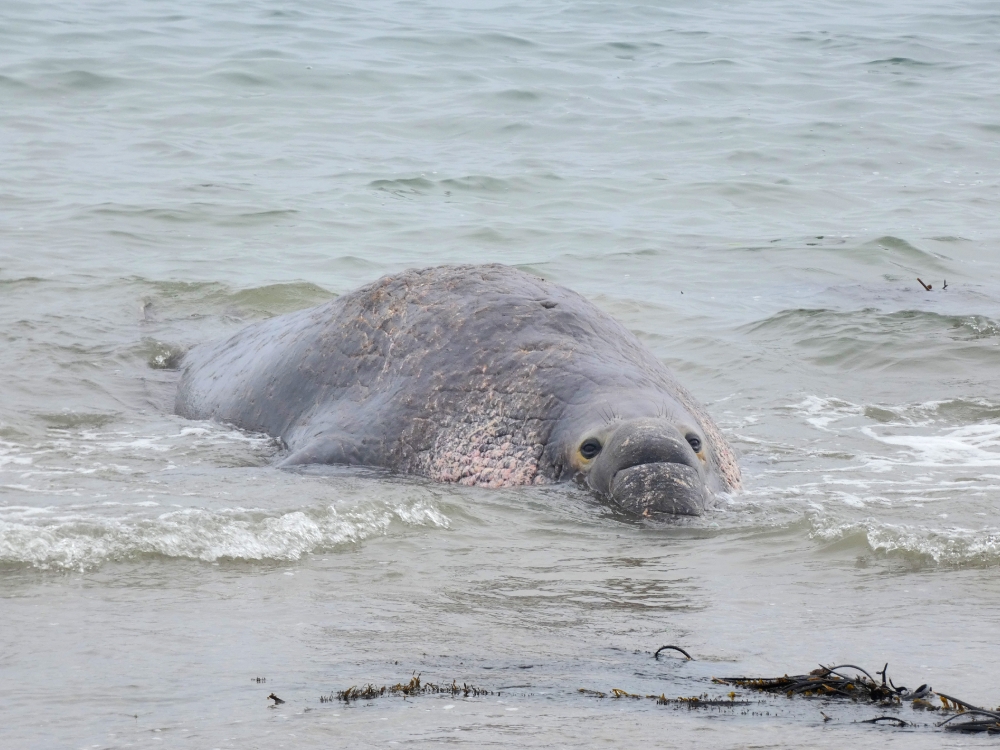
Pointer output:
x,y
695,701
831,683
406,690
827,682
841,682
973,720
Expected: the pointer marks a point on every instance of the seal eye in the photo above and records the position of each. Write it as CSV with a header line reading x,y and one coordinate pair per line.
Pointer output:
x,y
694,441
590,448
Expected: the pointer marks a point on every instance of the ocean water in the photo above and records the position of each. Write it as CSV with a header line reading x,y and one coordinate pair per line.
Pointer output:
x,y
753,188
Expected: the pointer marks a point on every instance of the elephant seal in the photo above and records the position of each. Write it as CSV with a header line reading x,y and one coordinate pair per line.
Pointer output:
x,y
481,375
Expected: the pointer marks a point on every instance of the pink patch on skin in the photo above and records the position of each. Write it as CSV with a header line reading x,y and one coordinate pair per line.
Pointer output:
x,y
485,448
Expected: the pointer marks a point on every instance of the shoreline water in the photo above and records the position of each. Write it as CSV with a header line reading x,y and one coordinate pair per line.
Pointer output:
x,y
753,192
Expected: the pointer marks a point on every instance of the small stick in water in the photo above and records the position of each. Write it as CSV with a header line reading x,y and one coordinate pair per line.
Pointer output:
x,y
673,648
927,287
276,699
899,722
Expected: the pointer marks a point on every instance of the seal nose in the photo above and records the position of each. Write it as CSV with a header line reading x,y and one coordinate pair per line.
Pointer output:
x,y
647,466
659,488
649,442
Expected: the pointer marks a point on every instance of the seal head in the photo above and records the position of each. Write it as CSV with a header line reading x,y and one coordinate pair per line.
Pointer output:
x,y
647,466
652,460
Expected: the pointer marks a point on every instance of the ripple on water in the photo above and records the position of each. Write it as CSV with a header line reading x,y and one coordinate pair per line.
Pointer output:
x,y
472,184
169,300
871,339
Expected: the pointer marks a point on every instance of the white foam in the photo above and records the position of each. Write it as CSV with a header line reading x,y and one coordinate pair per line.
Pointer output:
x,y
950,545
905,478
976,445
822,412
11,454
84,540
44,466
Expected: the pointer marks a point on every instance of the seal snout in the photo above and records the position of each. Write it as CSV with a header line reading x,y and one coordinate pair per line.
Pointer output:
x,y
659,488
647,466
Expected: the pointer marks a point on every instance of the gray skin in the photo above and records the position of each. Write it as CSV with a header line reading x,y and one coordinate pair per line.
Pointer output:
x,y
481,375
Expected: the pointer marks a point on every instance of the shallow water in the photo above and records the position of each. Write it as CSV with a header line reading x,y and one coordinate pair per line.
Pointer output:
x,y
753,189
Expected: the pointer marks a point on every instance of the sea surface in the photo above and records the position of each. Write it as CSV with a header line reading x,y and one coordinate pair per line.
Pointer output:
x,y
754,188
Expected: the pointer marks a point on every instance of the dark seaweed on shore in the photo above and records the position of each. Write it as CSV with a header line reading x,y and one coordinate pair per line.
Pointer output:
x,y
696,701
846,682
406,690
831,683
974,721
825,682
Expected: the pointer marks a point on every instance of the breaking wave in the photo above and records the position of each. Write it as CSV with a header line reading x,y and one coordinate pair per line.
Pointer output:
x,y
953,545
918,480
199,491
50,538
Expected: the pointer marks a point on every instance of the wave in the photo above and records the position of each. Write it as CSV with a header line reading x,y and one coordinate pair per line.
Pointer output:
x,y
74,448
26,280
950,436
71,420
822,411
84,494
970,446
870,339
476,184
954,545
920,480
216,214
49,538
166,300
901,253
79,80
905,61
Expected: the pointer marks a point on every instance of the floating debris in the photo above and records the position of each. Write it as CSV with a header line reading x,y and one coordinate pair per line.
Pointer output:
x,y
625,694
899,722
276,699
927,287
696,701
411,688
672,648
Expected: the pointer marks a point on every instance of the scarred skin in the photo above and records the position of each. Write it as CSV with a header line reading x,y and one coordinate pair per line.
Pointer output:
x,y
481,375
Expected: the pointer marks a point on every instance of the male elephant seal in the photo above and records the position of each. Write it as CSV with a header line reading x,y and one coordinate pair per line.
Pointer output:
x,y
482,375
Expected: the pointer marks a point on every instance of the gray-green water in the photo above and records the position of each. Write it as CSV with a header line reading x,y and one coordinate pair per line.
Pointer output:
x,y
753,188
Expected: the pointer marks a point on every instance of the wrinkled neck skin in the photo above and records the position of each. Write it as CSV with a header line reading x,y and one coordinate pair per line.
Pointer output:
x,y
652,456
